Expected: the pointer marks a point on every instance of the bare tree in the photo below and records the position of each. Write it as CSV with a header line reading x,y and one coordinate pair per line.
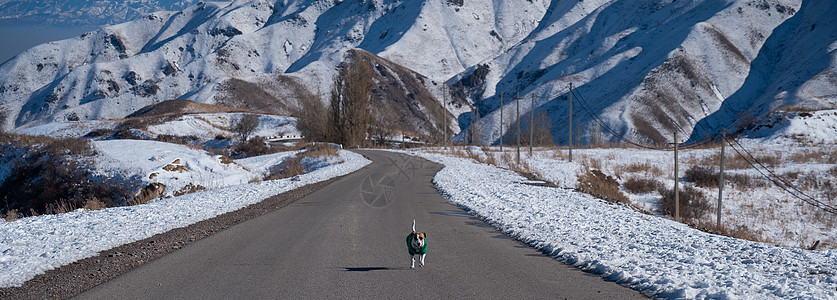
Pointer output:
x,y
542,135
474,134
350,103
245,126
383,126
312,119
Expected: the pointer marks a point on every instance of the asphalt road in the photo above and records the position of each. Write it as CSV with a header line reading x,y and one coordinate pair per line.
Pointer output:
x,y
347,240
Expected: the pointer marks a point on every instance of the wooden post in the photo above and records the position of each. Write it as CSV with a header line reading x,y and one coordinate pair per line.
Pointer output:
x,y
570,137
721,176
532,125
517,102
676,182
501,121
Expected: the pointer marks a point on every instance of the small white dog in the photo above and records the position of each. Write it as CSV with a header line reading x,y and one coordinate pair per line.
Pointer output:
x,y
416,244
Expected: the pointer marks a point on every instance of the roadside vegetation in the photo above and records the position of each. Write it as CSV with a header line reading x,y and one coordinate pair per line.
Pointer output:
x,y
50,176
754,209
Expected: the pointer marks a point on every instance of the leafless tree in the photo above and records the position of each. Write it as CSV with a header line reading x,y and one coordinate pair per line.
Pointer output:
x,y
245,126
351,103
383,126
312,119
543,129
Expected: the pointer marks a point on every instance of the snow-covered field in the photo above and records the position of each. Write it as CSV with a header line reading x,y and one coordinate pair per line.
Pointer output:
x,y
33,245
757,210
205,126
654,255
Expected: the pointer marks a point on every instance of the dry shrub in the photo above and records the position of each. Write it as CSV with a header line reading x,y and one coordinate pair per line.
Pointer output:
x,y
289,167
645,168
589,162
490,159
11,215
47,182
189,188
818,155
702,176
600,185
638,185
94,204
61,206
293,166
226,159
252,147
693,203
321,150
741,232
559,154
472,155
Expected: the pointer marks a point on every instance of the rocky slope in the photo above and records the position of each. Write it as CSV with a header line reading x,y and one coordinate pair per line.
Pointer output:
x,y
643,70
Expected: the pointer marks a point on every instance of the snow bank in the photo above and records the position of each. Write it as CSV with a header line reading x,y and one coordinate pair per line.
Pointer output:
x,y
33,245
656,256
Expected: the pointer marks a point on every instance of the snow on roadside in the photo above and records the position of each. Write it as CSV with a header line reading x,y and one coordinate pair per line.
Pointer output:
x,y
656,256
33,245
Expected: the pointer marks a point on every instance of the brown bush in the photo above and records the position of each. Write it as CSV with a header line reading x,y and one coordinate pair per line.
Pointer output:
x,y
188,189
638,185
48,176
11,215
693,203
293,166
600,185
252,147
94,204
702,176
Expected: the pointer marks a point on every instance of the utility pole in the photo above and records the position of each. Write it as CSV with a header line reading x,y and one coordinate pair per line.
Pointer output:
x,y
532,125
721,179
570,137
517,102
676,180
444,115
501,121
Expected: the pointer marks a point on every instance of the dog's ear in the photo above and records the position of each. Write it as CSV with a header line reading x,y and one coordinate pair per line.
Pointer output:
x,y
425,234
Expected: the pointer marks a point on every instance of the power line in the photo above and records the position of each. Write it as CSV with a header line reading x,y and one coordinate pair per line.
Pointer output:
x,y
589,111
784,185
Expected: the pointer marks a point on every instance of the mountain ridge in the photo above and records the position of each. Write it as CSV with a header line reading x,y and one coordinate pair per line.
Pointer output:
x,y
646,69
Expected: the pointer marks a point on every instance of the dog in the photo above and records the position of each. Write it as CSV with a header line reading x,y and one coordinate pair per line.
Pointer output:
x,y
416,245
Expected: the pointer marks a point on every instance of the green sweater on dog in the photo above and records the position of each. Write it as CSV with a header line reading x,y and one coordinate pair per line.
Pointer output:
x,y
423,249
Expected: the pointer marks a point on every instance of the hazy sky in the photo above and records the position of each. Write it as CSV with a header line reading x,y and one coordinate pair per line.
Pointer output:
x,y
17,38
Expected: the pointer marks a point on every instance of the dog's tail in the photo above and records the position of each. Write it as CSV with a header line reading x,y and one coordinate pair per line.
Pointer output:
x,y
414,225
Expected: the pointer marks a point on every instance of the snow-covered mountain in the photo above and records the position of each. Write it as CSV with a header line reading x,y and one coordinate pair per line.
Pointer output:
x,y
643,69
82,12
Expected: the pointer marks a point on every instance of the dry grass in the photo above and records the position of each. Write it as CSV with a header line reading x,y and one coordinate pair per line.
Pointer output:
x,y
94,204
61,206
702,176
814,155
647,169
603,186
11,215
693,203
638,185
188,189
293,166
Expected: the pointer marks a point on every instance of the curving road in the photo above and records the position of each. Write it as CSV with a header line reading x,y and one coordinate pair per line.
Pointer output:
x,y
347,241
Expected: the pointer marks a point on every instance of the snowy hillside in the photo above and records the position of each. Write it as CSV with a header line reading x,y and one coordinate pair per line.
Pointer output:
x,y
642,69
